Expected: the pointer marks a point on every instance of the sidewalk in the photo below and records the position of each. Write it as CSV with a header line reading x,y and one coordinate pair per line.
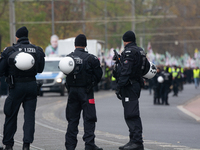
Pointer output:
x,y
192,108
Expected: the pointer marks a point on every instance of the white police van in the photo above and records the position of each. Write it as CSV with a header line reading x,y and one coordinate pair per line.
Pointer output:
x,y
52,78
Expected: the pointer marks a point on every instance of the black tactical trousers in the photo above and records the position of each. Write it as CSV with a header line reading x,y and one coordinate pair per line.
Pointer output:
x,y
130,96
78,101
175,87
165,91
24,93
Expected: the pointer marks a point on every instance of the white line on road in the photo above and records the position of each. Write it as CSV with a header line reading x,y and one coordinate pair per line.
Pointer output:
x,y
188,113
79,135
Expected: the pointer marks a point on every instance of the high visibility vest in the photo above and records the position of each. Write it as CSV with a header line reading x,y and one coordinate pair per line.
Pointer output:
x,y
170,70
179,75
196,73
174,74
107,73
113,78
182,70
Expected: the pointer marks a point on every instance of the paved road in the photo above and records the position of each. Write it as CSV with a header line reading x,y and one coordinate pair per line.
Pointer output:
x,y
174,127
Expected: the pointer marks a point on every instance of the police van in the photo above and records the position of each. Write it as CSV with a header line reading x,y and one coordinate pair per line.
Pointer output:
x,y
52,78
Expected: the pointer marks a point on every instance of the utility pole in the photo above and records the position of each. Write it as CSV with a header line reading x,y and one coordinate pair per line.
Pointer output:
x,y
52,16
83,17
106,29
12,21
133,15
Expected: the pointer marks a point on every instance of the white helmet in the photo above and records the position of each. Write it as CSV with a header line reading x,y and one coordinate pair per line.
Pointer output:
x,y
66,65
160,79
24,61
151,71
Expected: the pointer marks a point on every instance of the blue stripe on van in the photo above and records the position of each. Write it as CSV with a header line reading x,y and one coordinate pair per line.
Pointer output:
x,y
46,75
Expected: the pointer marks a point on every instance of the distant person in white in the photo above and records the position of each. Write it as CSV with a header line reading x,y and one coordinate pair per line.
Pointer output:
x,y
53,48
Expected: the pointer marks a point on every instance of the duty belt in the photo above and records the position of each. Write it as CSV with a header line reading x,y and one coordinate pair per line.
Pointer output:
x,y
25,79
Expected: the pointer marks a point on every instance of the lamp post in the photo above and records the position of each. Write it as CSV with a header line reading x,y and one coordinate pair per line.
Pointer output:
x,y
133,15
12,21
52,16
83,17
106,29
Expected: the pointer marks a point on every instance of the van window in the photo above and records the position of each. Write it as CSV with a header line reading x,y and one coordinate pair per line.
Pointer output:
x,y
51,66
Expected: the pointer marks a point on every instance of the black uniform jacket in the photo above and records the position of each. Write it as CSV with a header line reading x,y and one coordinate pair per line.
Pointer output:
x,y
130,64
94,63
4,66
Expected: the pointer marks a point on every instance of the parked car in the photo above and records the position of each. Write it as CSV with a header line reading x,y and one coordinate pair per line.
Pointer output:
x,y
52,78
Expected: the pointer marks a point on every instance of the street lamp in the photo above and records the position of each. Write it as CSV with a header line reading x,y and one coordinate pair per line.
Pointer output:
x,y
12,21
52,16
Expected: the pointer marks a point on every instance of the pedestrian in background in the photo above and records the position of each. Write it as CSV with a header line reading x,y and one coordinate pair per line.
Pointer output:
x,y
176,74
150,81
22,88
80,85
53,47
196,75
129,83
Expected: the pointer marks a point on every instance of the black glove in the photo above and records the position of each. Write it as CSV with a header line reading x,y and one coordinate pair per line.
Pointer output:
x,y
118,93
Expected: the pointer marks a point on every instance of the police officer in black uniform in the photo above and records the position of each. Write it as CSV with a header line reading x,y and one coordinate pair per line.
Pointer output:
x,y
165,86
22,88
157,87
128,74
80,83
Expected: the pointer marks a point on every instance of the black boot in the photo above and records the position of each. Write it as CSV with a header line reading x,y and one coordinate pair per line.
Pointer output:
x,y
122,147
94,148
134,146
8,147
26,146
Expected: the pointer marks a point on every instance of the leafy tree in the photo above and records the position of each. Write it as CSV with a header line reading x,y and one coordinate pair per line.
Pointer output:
x,y
70,20
184,28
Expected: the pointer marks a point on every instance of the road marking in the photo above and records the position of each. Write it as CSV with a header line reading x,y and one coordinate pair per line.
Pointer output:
x,y
79,135
51,117
188,113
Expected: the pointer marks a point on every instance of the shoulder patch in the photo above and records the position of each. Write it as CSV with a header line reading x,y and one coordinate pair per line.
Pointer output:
x,y
128,52
126,62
